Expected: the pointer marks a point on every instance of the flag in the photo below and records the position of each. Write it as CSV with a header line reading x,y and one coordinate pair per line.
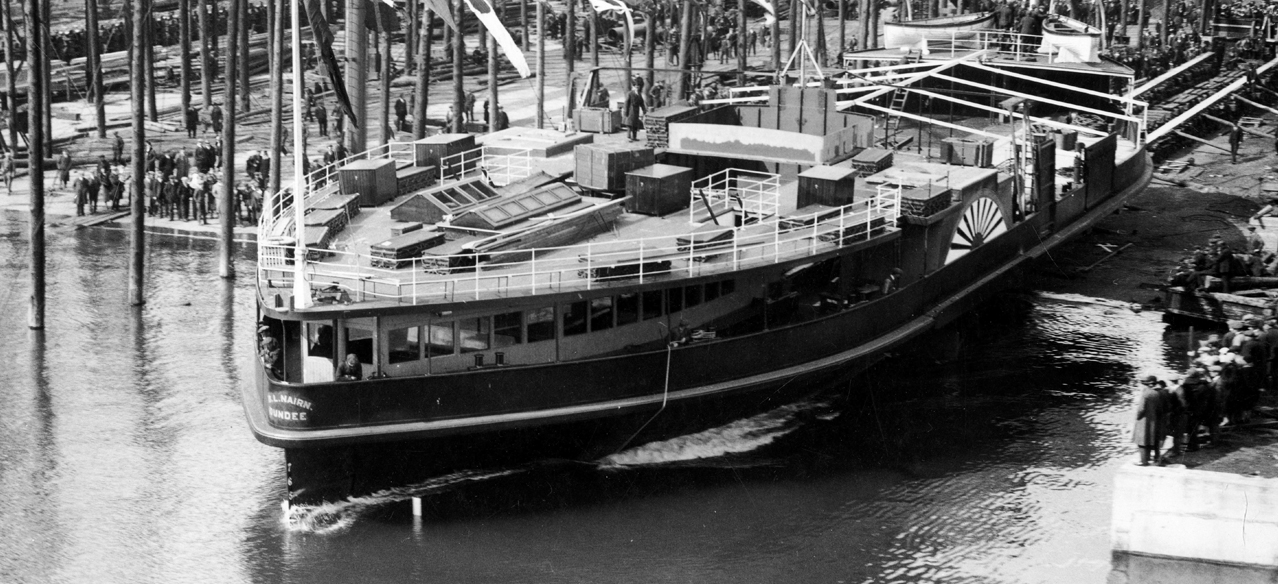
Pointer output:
x,y
324,40
618,6
384,10
484,11
772,11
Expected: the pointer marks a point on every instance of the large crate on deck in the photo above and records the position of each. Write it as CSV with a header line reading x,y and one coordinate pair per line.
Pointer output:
x,y
455,256
827,185
373,180
659,189
429,151
871,160
968,152
600,120
603,166
348,204
399,251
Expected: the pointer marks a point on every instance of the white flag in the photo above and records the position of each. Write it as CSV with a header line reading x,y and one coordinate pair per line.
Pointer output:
x,y
492,22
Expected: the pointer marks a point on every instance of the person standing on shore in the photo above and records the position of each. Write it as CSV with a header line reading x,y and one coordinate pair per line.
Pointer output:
x,y
64,168
1150,430
321,119
6,170
117,149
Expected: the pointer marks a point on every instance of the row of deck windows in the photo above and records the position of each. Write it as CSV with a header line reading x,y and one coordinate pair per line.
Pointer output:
x,y
482,333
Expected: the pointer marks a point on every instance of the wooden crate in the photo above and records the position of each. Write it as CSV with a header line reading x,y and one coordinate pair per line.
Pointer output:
x,y
455,256
827,185
597,119
373,180
334,219
400,251
336,202
979,153
603,167
401,227
659,189
871,160
428,151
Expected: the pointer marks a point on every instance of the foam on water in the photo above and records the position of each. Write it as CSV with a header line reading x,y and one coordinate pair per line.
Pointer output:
x,y
737,437
336,516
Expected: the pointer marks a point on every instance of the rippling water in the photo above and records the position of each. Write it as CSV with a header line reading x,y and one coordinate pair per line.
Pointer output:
x,y
124,457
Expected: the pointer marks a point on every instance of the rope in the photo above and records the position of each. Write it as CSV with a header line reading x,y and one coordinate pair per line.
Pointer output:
x,y
665,396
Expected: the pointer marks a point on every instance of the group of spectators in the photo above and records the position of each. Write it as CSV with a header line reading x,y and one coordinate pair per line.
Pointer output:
x,y
1215,265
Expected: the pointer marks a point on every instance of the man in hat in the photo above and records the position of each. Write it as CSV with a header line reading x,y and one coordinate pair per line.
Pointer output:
x,y
1235,140
1150,430
1203,406
1254,241
117,149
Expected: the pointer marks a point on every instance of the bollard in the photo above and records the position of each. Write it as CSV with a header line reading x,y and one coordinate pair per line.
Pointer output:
x,y
417,506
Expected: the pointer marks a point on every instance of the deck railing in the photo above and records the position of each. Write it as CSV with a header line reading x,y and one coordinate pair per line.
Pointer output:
x,y
758,193
502,166
1004,44
514,272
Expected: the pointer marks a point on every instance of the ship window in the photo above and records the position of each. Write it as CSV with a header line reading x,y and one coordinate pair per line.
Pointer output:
x,y
439,339
674,300
727,287
403,344
691,296
712,291
575,318
627,309
360,342
473,334
541,324
601,313
651,304
508,329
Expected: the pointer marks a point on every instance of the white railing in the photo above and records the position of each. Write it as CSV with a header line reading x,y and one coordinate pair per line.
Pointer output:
x,y
1005,44
759,193
505,273
502,168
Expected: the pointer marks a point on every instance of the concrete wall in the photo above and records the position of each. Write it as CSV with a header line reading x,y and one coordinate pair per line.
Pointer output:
x,y
1193,514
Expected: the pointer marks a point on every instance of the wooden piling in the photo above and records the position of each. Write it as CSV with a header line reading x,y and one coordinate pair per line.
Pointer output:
x,y
491,114
245,103
137,234
650,49
743,42
843,32
47,39
594,34
775,34
184,39
685,32
12,95
225,268
93,47
35,127
148,31
423,76
459,56
206,60
356,76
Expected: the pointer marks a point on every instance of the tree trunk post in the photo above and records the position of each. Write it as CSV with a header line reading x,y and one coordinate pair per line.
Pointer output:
x,y
356,76
137,243
35,159
148,30
244,56
423,75
206,48
459,55
650,50
184,39
12,94
277,103
541,67
384,78
93,48
493,104
226,212
685,35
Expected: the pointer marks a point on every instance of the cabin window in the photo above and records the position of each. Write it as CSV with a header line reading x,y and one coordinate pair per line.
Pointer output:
x,y
508,329
674,300
403,344
473,334
601,313
727,287
712,291
541,324
360,342
321,340
651,304
439,339
627,309
575,318
691,296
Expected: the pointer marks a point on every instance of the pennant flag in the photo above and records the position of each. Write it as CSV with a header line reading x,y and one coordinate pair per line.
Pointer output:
x,y
385,10
492,22
444,10
602,6
324,40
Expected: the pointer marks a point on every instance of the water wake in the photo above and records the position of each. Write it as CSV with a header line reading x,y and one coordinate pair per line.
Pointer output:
x,y
737,437
336,516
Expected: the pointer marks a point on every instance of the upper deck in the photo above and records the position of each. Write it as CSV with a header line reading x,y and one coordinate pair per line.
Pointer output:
x,y
505,221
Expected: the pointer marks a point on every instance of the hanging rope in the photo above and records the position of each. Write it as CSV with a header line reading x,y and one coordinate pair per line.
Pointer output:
x,y
665,396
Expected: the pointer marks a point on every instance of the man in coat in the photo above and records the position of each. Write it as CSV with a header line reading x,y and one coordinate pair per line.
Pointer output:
x,y
634,110
321,118
117,149
192,121
1151,429
64,168
401,114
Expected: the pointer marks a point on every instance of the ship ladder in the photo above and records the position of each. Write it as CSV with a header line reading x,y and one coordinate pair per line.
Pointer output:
x,y
899,98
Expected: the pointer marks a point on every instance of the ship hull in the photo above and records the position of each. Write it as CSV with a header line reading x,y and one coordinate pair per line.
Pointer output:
x,y
405,429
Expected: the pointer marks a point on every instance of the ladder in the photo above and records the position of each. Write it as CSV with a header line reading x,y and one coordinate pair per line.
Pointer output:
x,y
899,97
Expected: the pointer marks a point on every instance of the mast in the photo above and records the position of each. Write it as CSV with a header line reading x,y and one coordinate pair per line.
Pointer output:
x,y
302,290
541,66
277,101
137,235
35,159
